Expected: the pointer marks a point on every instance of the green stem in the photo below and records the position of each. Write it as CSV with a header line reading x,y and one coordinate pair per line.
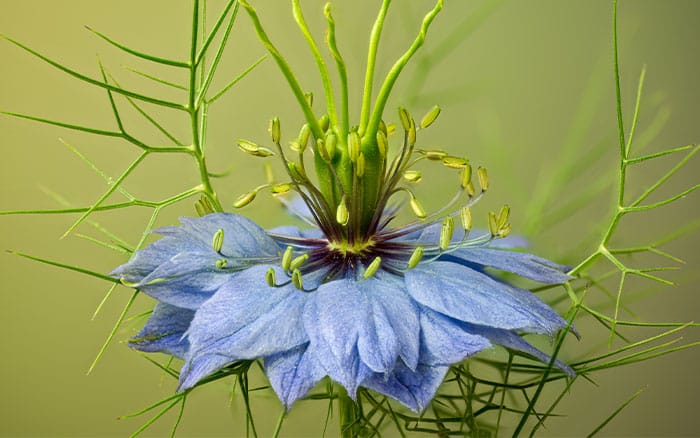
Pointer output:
x,y
349,414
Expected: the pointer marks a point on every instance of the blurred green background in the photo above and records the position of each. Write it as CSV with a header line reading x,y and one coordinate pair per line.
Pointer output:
x,y
510,91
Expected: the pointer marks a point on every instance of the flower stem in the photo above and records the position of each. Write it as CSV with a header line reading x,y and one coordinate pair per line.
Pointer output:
x,y
349,414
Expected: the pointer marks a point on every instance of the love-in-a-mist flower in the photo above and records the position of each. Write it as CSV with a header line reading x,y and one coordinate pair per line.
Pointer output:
x,y
356,297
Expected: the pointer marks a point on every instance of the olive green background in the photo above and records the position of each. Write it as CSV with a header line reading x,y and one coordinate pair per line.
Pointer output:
x,y
509,92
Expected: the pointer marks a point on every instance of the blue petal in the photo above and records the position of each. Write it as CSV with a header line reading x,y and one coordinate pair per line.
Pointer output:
x,y
180,269
523,264
355,327
293,373
245,319
514,342
470,296
292,231
414,389
164,331
445,341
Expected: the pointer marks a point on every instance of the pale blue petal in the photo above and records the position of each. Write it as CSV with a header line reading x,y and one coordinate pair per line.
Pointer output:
x,y
164,331
470,296
445,341
180,269
515,342
246,319
413,388
205,365
349,332
523,264
292,231
293,373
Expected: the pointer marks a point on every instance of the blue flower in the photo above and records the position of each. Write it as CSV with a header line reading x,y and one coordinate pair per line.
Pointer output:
x,y
395,332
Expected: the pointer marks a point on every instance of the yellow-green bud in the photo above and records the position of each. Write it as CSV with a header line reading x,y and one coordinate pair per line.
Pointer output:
x,y
413,176
446,231
217,242
353,145
483,178
372,267
275,132
416,257
244,199
287,258
430,117
270,277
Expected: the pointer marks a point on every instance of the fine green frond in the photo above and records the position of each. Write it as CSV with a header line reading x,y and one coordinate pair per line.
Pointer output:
x,y
106,194
66,266
155,78
138,54
91,81
212,34
104,244
615,413
166,369
114,330
235,80
87,129
97,311
659,154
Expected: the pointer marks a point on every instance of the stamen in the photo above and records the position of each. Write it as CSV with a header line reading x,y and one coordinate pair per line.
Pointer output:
x,y
270,277
221,263
466,177
465,215
360,165
253,149
245,199
430,117
483,178
274,129
416,257
493,224
342,215
455,162
304,135
446,232
298,261
372,267
405,118
297,280
218,240
287,258
353,145
418,209
413,176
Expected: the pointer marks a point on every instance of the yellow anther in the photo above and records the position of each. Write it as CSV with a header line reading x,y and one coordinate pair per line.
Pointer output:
x,y
416,207
270,277
217,242
413,176
465,215
309,98
303,138
324,121
412,133
405,119
331,142
372,267
253,149
446,231
430,117
483,178
342,215
434,155
295,171
455,162
221,263
360,165
353,145
493,224
298,261
275,132
416,257
269,174
465,177
245,199
503,216
279,189
382,144
297,280
287,258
